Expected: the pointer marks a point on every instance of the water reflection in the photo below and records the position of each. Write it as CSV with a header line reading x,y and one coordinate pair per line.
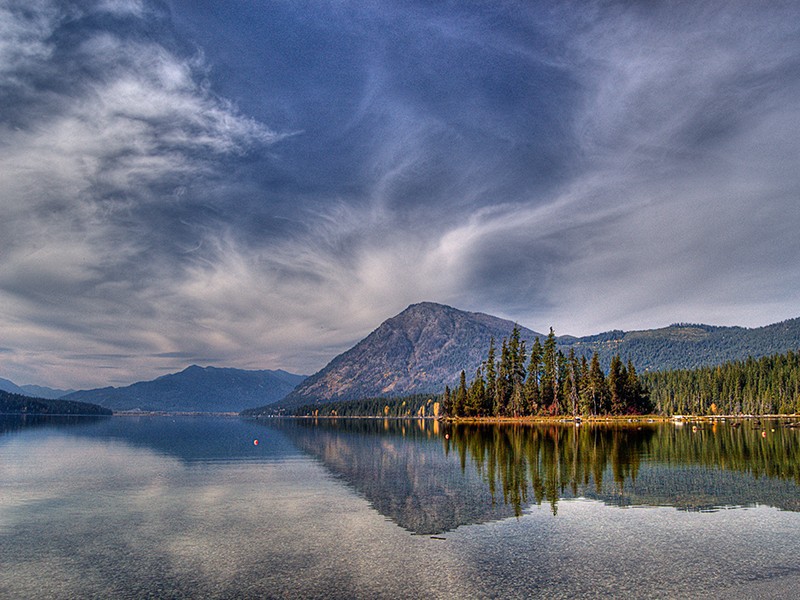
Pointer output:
x,y
14,423
189,438
430,480
192,508
401,469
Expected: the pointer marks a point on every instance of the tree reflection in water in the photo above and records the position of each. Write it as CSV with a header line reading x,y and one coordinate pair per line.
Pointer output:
x,y
431,477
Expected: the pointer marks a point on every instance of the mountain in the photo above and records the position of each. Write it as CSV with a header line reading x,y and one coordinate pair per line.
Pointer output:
x,y
196,389
420,350
17,404
10,387
33,391
40,391
425,347
687,346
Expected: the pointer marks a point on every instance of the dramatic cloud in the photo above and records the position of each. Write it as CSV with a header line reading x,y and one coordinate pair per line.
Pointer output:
x,y
260,184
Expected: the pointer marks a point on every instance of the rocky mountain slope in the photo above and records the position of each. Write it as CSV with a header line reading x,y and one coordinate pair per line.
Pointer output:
x,y
422,349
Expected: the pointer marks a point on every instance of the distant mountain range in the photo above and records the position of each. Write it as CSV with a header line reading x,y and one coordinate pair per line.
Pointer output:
x,y
421,350
35,391
196,389
426,346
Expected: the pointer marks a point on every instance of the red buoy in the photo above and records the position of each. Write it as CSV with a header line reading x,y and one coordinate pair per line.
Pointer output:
x,y
255,442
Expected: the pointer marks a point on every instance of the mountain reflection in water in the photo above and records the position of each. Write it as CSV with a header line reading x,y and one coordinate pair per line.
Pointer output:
x,y
430,478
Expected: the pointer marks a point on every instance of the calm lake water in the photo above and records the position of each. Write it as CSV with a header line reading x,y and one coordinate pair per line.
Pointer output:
x,y
191,507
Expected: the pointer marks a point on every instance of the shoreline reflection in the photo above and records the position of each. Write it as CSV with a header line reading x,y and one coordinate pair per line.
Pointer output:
x,y
430,477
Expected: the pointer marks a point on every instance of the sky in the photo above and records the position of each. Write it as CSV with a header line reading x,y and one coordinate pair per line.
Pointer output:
x,y
260,183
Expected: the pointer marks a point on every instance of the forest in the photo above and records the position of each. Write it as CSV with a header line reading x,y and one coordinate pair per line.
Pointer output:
x,y
16,404
768,385
414,405
544,381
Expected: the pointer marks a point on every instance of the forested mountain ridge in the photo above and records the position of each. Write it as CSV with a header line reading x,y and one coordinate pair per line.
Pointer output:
x,y
687,346
420,350
196,389
32,391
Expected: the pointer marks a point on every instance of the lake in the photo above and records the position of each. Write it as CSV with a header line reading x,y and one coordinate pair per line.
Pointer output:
x,y
215,507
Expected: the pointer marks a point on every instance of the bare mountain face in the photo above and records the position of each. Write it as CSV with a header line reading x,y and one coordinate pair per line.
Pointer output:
x,y
421,350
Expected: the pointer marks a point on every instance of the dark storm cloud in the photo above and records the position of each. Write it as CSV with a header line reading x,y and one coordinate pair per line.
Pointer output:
x,y
263,183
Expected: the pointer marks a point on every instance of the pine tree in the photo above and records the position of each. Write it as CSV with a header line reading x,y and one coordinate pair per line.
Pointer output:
x,y
597,386
532,395
448,402
515,373
562,384
503,384
573,375
475,395
460,402
635,397
616,385
584,389
549,381
491,378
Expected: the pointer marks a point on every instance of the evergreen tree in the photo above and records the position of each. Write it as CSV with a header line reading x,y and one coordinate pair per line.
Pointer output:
x,y
533,397
532,394
475,395
520,376
515,373
562,384
503,384
616,385
460,402
635,395
491,378
573,377
597,387
513,354
549,381
584,389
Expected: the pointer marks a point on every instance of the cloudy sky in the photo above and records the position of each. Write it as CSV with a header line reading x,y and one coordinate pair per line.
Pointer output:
x,y
260,183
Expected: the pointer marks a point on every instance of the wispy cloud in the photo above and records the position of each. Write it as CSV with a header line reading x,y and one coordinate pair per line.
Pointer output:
x,y
586,166
96,160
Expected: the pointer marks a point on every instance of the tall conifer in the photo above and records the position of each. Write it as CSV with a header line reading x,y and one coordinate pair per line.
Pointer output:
x,y
532,394
549,383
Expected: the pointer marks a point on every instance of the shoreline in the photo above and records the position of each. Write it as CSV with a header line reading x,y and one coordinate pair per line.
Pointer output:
x,y
549,420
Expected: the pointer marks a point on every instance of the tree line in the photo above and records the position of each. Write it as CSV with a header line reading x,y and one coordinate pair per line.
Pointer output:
x,y
412,405
768,385
545,381
25,405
